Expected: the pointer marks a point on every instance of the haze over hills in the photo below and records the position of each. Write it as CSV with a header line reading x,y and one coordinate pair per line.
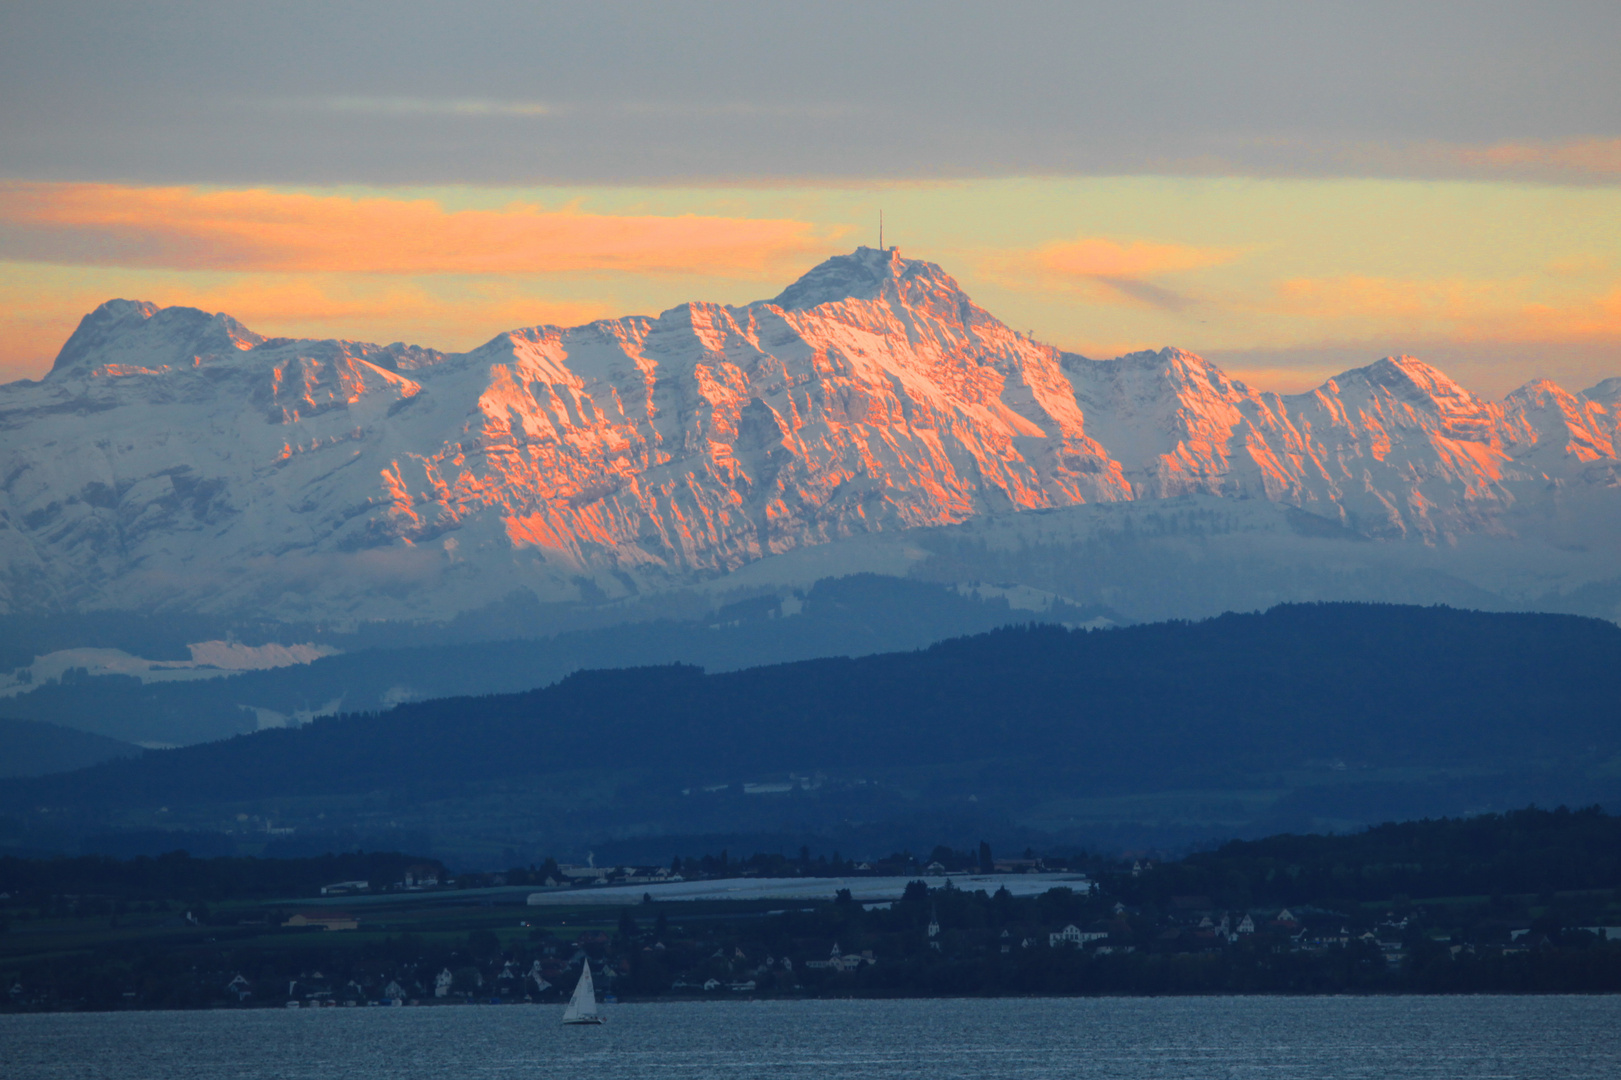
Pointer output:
x,y
1303,718
871,417
852,616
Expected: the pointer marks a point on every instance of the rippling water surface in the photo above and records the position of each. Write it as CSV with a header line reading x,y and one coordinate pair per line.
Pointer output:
x,y
1121,1038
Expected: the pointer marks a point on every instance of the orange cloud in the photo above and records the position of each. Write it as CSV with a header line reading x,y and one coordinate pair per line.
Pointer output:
x,y
1597,158
1574,161
181,228
1459,309
1583,161
1593,318
1104,270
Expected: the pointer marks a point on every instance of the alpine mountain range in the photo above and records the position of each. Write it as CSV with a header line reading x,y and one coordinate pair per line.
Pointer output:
x,y
481,567
871,417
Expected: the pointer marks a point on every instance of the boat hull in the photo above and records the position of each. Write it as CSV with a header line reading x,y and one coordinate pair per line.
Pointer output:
x,y
584,1020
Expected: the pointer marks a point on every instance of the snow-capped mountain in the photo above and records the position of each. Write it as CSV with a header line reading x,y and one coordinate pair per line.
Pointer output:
x,y
176,459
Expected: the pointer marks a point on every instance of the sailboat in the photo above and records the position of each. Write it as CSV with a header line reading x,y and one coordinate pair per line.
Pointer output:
x,y
582,1007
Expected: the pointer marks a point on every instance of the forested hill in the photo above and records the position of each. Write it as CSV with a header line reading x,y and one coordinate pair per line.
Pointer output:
x,y
1336,686
31,749
1527,851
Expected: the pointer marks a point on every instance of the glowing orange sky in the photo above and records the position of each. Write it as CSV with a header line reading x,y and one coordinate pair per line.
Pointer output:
x,y
1290,190
176,228
1287,280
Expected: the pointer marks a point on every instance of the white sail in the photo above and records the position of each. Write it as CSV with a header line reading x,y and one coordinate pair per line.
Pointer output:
x,y
582,1007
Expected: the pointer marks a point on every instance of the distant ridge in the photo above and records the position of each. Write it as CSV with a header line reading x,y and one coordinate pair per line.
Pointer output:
x,y
1307,716
30,748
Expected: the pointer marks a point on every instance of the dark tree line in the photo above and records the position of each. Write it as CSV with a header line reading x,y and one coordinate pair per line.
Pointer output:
x,y
1523,851
178,876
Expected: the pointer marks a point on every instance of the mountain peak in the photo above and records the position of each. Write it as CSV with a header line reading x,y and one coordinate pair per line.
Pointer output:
x,y
1410,379
865,274
101,326
141,332
1607,392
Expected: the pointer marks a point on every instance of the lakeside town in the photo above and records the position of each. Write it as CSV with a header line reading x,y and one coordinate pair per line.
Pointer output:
x,y
1287,914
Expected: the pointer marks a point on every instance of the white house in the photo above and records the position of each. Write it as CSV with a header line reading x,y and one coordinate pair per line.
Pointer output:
x,y
1073,935
421,875
837,961
441,983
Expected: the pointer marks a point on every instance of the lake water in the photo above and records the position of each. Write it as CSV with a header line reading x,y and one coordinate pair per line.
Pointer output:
x,y
1526,1038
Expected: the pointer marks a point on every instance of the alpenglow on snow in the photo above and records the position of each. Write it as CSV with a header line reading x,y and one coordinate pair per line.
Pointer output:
x,y
174,458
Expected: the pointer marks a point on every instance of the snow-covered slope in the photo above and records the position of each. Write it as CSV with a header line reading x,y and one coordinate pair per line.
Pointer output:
x,y
176,459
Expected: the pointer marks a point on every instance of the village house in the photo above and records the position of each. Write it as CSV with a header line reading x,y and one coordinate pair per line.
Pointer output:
x,y
1073,935
312,986
587,873
840,961
1325,940
421,876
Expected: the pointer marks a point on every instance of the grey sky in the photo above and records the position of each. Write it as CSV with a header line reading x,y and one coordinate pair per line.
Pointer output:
x,y
607,93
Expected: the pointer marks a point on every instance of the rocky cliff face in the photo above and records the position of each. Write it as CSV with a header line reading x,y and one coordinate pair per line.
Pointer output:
x,y
172,458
